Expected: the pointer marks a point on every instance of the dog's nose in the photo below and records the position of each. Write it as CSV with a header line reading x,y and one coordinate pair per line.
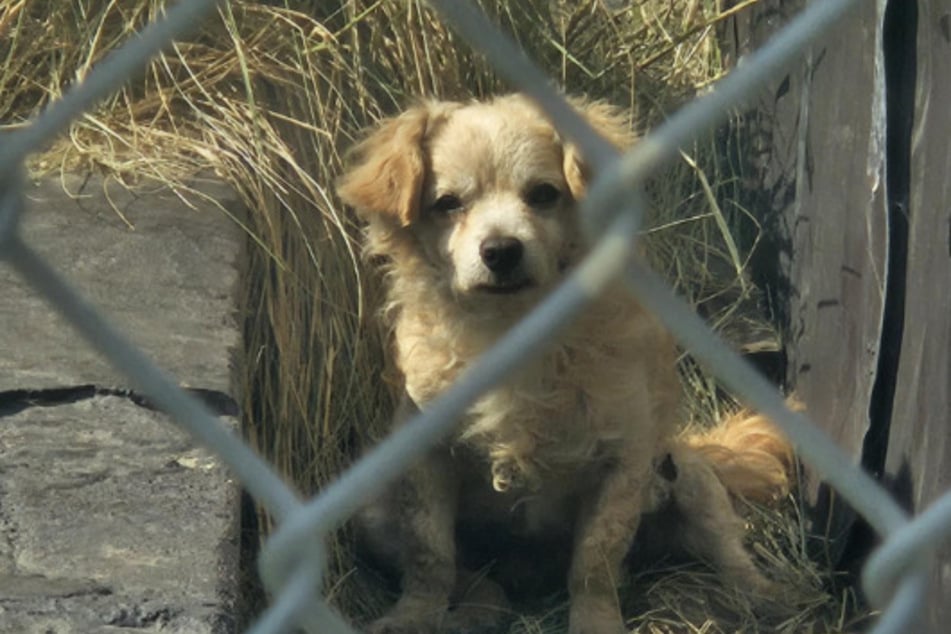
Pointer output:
x,y
501,255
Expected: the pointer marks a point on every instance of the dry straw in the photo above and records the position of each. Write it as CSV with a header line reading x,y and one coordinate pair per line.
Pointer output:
x,y
267,97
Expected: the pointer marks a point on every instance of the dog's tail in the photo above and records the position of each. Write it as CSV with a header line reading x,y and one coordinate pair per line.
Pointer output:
x,y
752,458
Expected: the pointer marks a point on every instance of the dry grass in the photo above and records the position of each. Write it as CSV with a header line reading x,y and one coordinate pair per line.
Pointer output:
x,y
267,96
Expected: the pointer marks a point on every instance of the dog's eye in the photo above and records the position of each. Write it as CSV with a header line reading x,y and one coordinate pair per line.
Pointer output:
x,y
542,195
447,204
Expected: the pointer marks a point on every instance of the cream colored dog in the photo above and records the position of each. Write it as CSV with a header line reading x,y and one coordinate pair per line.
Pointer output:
x,y
473,208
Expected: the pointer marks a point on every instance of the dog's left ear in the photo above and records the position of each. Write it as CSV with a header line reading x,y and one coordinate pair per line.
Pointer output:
x,y
610,122
385,178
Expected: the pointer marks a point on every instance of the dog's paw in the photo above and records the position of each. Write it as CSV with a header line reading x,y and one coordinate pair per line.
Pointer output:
x,y
509,474
479,605
396,624
506,475
411,615
775,596
472,623
595,615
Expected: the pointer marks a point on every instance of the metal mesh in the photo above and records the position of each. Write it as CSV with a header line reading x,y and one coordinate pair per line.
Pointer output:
x,y
292,562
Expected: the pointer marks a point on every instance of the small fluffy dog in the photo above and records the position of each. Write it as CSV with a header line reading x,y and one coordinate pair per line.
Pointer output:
x,y
473,208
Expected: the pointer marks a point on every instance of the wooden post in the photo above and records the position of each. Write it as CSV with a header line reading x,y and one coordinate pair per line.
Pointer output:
x,y
819,176
918,462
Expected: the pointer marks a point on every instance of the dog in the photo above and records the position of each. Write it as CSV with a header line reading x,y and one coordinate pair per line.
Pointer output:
x,y
472,209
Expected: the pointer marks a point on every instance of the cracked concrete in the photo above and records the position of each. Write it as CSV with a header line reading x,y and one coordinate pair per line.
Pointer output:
x,y
167,282
111,519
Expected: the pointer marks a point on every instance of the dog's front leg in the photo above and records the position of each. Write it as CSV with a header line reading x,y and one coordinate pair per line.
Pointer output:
x,y
604,535
420,525
423,508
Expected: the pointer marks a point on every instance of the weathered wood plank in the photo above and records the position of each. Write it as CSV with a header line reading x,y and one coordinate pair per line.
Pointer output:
x,y
817,186
919,449
836,230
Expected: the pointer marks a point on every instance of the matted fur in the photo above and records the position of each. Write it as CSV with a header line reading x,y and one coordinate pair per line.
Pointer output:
x,y
472,207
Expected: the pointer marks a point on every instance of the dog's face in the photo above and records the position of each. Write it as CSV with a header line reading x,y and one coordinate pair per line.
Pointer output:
x,y
496,209
488,191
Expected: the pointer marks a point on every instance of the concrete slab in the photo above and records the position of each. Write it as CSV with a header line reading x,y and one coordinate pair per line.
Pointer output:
x,y
161,271
111,519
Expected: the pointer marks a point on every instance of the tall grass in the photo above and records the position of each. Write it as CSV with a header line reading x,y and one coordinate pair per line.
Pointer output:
x,y
269,94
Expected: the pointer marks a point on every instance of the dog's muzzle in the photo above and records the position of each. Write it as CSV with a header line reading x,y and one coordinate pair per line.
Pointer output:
x,y
504,257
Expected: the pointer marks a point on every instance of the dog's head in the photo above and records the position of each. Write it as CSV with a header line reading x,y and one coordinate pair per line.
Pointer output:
x,y
486,192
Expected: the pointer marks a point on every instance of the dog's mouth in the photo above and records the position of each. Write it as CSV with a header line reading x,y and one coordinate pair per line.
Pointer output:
x,y
505,288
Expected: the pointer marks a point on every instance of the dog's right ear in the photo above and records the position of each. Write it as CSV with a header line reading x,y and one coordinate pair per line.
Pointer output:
x,y
610,122
385,178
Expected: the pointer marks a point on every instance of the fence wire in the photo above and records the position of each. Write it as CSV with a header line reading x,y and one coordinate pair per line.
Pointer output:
x,y
292,562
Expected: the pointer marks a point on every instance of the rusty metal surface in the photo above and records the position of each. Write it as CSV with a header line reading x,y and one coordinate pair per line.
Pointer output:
x,y
919,449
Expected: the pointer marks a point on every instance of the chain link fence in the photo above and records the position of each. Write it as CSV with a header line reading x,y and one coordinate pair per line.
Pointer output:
x,y
292,562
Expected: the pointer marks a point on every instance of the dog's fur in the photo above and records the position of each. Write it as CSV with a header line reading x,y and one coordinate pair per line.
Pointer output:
x,y
473,208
